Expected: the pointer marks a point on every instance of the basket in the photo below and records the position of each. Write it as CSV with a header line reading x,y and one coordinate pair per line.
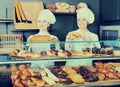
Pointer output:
x,y
8,42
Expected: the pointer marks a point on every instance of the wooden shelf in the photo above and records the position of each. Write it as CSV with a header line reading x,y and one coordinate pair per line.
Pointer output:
x,y
6,19
16,30
63,13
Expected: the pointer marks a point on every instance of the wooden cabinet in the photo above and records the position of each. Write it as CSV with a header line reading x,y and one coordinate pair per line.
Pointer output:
x,y
110,10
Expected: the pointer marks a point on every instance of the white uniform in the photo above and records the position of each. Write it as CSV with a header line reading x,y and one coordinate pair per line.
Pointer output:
x,y
79,44
44,46
48,16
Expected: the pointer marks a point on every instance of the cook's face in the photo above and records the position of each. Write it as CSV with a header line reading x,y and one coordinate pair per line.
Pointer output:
x,y
42,24
82,22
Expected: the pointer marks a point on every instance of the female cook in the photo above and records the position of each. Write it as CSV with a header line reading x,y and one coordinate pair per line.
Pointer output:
x,y
84,17
45,18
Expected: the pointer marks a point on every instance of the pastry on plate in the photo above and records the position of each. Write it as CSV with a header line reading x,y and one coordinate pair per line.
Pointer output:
x,y
64,53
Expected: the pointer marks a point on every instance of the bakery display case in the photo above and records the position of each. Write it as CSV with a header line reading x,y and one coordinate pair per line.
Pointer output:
x,y
30,64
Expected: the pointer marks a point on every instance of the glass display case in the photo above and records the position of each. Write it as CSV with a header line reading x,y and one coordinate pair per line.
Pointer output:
x,y
78,63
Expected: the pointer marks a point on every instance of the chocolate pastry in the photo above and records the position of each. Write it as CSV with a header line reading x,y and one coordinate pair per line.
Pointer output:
x,y
95,50
43,53
52,53
65,81
87,74
64,53
87,49
107,51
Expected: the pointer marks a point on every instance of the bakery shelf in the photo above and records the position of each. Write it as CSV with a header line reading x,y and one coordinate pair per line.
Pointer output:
x,y
6,20
64,13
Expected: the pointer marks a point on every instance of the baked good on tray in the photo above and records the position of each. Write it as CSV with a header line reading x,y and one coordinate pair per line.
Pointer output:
x,y
43,38
64,53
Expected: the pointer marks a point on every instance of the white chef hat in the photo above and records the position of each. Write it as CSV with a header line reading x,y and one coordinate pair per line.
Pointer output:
x,y
47,15
86,13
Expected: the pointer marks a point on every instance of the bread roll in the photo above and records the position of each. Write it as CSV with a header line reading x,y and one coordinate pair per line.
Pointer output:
x,y
81,5
22,67
74,35
62,5
101,76
72,8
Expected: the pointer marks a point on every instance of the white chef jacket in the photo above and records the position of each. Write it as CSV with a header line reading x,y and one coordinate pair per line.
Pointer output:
x,y
38,47
79,44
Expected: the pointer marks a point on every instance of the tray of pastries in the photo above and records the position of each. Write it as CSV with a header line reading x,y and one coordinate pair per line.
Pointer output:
x,y
40,76
53,53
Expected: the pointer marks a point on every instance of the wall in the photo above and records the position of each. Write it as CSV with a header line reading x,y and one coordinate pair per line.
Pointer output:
x,y
64,24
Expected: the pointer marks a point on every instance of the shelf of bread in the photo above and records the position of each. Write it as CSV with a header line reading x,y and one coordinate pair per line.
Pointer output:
x,y
64,54
38,75
64,7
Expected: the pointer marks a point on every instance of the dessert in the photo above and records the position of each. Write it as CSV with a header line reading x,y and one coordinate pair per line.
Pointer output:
x,y
62,5
87,74
74,35
64,53
76,78
52,53
81,5
51,7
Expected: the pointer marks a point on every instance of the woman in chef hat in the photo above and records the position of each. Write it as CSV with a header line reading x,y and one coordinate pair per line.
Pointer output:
x,y
84,17
45,18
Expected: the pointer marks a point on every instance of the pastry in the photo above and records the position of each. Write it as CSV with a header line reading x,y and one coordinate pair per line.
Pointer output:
x,y
92,69
64,53
95,50
40,38
107,51
81,5
29,54
74,35
48,80
52,53
43,53
23,77
76,78
87,74
42,73
72,8
62,5
51,7
22,67
39,83
14,76
50,74
30,83
14,68
68,70
43,38
111,75
101,76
